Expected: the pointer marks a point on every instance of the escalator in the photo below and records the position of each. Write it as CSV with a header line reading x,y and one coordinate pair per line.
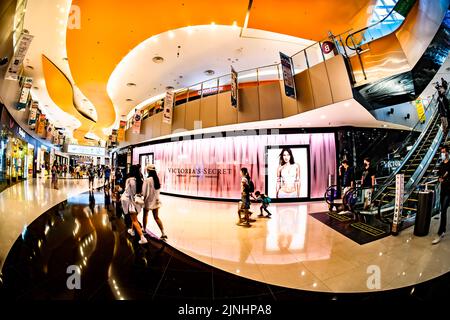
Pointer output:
x,y
419,158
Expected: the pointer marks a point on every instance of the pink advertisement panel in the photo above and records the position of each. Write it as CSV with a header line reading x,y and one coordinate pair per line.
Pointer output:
x,y
210,167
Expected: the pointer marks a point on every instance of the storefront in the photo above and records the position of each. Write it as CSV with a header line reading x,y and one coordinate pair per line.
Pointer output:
x,y
285,166
21,156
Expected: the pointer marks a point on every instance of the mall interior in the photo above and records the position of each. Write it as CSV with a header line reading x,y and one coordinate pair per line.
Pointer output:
x,y
243,151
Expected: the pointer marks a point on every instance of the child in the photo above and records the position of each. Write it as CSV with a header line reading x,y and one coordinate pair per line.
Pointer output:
x,y
265,201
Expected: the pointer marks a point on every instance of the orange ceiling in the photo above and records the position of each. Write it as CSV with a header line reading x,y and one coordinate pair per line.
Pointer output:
x,y
111,28
61,92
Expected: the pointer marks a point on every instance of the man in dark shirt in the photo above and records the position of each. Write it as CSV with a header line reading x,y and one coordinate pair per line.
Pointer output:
x,y
444,179
347,176
367,182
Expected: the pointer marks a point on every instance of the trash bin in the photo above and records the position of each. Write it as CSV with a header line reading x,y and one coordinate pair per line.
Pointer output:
x,y
423,216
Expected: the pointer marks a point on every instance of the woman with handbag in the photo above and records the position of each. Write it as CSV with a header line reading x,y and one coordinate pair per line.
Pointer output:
x,y
150,191
132,201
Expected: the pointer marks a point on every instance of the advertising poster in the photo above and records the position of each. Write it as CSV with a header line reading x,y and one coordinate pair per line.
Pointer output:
x,y
49,135
234,88
33,114
40,126
25,93
168,107
16,61
288,76
137,119
114,137
287,172
121,133
420,110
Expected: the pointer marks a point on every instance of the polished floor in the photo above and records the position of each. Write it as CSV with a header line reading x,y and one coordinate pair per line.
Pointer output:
x,y
291,256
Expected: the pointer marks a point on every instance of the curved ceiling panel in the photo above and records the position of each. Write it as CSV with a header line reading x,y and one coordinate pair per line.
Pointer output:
x,y
60,91
106,33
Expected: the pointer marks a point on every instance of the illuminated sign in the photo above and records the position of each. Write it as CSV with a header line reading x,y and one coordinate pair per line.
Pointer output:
x,y
86,150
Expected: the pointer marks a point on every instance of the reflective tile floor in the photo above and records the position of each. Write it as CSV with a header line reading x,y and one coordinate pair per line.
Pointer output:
x,y
86,231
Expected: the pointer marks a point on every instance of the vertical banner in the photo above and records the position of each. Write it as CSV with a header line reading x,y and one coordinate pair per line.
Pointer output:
x,y
40,126
24,94
33,114
137,119
234,88
114,137
168,107
49,135
121,133
288,76
16,61
420,110
398,208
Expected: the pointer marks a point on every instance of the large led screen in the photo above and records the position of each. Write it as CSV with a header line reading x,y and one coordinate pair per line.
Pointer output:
x,y
287,172
210,167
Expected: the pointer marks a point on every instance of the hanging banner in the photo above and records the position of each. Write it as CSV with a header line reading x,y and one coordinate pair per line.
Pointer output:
x,y
16,61
33,114
121,133
114,137
168,107
25,93
398,206
40,126
288,75
49,135
234,88
137,119
420,110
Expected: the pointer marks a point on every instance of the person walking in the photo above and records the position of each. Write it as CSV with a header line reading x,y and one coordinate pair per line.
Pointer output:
x,y
246,190
133,186
367,182
150,191
265,202
107,176
55,175
444,179
91,176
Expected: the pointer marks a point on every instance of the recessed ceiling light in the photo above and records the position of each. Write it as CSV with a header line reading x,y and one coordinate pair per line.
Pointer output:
x,y
131,84
30,67
85,100
129,100
171,34
158,59
209,72
35,88
169,88
65,59
234,24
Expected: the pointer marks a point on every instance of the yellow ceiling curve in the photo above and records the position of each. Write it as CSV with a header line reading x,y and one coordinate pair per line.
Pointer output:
x,y
60,91
109,29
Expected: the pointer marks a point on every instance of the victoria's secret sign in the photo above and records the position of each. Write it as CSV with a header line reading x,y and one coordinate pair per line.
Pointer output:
x,y
198,172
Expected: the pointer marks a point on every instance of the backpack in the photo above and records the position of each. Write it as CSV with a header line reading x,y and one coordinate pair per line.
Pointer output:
x,y
267,200
251,185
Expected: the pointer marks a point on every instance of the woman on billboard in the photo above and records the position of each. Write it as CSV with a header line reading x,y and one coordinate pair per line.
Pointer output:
x,y
288,176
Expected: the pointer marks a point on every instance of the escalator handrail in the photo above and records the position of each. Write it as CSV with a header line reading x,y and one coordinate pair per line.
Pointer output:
x,y
367,27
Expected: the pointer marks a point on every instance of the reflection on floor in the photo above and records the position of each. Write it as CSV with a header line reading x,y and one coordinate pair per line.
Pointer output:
x,y
85,231
295,250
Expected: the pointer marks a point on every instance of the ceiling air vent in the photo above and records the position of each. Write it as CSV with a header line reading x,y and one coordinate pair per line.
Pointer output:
x,y
158,59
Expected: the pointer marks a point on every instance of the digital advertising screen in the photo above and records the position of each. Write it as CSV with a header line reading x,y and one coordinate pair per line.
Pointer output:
x,y
287,172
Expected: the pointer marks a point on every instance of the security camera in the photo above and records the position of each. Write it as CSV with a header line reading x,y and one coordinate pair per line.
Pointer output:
x,y
3,61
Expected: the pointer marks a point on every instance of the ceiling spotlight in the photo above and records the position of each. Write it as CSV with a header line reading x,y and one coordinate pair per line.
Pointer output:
x,y
85,100
169,88
65,59
129,100
209,72
35,88
30,67
213,25
131,84
234,24
171,34
158,59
